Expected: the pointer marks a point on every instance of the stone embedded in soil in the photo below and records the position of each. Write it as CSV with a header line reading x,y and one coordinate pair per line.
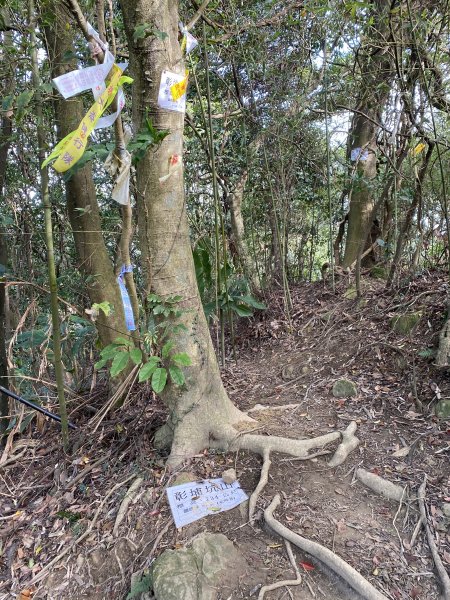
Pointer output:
x,y
446,509
229,476
288,372
443,409
198,572
344,388
405,324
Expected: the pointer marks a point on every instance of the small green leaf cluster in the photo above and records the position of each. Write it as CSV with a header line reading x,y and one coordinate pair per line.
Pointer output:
x,y
148,136
161,361
234,297
145,30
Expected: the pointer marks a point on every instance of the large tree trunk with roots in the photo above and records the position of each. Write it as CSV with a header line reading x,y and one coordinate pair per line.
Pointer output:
x,y
377,69
201,414
82,205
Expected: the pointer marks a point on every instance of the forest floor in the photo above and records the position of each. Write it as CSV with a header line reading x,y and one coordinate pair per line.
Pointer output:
x,y
58,512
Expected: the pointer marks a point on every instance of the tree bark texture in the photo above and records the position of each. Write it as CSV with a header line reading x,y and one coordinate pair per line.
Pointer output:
x,y
378,71
200,411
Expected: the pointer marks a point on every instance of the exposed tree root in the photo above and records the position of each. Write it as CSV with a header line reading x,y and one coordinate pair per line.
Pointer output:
x,y
443,575
381,486
331,560
286,582
268,407
348,444
263,479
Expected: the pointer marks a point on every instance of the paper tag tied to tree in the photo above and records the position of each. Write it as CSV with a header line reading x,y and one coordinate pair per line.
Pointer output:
x,y
172,91
70,149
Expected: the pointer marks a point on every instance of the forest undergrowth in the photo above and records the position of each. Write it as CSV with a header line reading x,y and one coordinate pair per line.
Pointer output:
x,y
66,531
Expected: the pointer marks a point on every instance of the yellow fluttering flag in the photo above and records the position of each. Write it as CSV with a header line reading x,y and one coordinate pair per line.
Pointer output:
x,y
71,148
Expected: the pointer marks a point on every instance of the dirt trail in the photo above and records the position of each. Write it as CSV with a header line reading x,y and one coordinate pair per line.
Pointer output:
x,y
280,362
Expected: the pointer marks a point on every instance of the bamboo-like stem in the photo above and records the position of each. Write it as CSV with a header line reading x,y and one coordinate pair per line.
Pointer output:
x,y
6,127
327,135
44,184
218,222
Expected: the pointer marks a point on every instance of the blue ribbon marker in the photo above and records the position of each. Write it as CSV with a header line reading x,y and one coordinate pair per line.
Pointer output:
x,y
129,317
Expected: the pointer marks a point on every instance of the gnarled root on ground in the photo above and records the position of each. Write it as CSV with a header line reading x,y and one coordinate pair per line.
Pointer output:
x,y
331,560
264,445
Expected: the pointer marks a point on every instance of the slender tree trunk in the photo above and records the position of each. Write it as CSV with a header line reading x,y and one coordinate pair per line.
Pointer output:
x,y
46,205
5,141
410,214
238,231
82,205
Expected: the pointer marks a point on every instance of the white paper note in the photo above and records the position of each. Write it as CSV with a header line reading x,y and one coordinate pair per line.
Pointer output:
x,y
192,501
80,80
165,99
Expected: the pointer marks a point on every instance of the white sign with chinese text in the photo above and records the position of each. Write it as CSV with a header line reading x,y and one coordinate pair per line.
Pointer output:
x,y
192,501
165,98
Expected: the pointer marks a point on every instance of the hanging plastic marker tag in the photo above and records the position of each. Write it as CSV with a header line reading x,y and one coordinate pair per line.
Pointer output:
x,y
128,310
359,154
70,149
171,95
189,42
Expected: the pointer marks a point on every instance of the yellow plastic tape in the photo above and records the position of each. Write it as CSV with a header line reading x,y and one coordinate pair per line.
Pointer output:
x,y
179,89
71,148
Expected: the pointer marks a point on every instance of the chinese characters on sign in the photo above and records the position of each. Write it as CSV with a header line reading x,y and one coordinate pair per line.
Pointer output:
x,y
192,501
166,97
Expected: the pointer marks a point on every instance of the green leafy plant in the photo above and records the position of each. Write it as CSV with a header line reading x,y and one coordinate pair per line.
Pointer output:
x,y
148,136
141,586
161,362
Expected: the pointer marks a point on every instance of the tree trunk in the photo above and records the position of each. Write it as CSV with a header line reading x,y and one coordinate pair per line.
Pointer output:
x,y
410,214
200,411
238,232
82,206
378,73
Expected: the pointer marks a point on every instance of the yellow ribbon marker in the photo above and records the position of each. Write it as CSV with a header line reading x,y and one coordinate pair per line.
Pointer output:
x,y
418,149
71,148
178,90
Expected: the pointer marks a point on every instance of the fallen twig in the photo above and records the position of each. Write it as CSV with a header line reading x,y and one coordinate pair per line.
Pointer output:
x,y
442,572
331,560
129,496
